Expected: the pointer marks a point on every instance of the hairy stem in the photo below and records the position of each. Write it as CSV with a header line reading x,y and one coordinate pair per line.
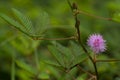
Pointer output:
x,y
67,38
94,16
77,24
85,50
114,60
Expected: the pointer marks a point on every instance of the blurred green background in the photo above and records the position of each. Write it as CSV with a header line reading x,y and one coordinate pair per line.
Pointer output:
x,y
15,44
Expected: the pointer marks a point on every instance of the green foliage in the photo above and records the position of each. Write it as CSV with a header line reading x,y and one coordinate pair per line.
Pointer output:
x,y
23,24
11,21
53,63
42,24
65,54
82,77
43,76
57,55
116,17
65,57
28,44
26,67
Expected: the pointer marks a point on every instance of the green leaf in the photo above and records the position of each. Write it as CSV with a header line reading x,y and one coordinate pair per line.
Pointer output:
x,y
66,52
11,21
42,23
66,56
25,67
82,77
53,63
57,55
79,59
24,75
23,24
76,49
43,76
77,52
116,17
27,24
28,44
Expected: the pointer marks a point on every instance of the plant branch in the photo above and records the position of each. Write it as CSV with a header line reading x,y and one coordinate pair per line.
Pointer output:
x,y
84,71
85,50
77,24
93,77
67,38
114,60
94,16
87,14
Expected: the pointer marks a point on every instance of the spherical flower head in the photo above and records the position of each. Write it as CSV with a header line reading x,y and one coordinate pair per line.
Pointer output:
x,y
96,43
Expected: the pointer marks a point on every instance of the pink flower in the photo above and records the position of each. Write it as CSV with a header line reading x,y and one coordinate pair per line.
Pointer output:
x,y
96,43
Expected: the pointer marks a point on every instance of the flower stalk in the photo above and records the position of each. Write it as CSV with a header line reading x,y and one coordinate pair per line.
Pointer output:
x,y
77,24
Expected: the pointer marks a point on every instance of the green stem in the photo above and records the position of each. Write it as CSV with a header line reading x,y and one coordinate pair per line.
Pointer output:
x,y
67,38
85,50
114,60
95,66
79,67
36,58
94,16
13,68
